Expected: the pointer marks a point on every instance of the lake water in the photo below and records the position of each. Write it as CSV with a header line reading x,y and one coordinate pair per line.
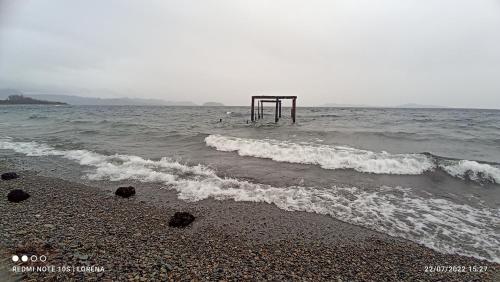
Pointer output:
x,y
428,175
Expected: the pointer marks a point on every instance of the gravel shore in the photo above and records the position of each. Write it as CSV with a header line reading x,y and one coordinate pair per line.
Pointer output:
x,y
84,229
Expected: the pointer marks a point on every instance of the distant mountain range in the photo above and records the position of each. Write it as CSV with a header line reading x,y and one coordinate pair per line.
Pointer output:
x,y
21,100
419,106
404,106
78,100
213,104
334,105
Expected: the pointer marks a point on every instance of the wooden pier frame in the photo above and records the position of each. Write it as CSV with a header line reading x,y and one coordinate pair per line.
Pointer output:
x,y
271,99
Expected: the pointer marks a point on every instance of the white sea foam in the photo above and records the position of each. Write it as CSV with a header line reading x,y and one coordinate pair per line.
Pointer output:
x,y
473,170
343,157
437,223
328,157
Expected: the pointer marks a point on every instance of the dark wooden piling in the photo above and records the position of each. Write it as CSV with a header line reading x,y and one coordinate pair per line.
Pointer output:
x,y
258,111
276,118
252,115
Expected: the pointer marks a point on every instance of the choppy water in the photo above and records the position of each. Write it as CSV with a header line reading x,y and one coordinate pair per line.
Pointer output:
x,y
431,176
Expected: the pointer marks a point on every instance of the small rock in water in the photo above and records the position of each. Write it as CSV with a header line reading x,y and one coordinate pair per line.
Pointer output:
x,y
181,219
9,176
125,192
17,195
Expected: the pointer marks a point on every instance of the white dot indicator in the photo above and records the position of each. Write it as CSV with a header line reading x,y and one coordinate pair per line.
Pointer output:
x,y
15,258
24,258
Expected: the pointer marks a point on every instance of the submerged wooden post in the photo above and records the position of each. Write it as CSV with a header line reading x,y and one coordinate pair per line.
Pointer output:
x,y
252,115
262,109
276,110
294,104
258,110
280,109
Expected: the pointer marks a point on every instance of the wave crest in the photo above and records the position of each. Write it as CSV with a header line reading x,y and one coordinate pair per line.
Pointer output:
x,y
473,171
343,157
328,157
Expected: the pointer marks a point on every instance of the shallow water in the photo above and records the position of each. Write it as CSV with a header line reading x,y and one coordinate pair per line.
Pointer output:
x,y
431,176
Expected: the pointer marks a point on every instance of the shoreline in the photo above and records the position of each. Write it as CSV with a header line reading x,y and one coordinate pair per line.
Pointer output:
x,y
78,225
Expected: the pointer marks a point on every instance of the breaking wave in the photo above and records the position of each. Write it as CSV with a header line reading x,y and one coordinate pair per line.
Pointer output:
x,y
343,157
328,157
436,223
472,170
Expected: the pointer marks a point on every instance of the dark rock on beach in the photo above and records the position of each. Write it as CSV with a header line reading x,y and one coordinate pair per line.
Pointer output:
x,y
181,219
9,176
17,195
125,192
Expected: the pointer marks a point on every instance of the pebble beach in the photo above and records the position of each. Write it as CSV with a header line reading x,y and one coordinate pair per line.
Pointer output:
x,y
94,235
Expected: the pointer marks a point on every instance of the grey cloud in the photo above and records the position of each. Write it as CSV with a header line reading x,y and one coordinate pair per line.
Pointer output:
x,y
356,52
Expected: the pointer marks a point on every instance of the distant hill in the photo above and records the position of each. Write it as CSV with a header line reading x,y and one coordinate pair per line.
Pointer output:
x,y
78,100
213,104
22,100
418,106
333,105
404,106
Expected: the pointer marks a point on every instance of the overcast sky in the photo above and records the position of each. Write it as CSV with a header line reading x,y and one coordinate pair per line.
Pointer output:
x,y
357,52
